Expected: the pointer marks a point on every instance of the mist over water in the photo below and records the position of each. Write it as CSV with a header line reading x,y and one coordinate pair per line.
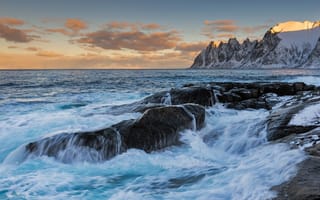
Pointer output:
x,y
228,159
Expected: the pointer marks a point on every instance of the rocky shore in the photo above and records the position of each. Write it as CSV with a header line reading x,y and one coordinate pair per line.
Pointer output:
x,y
294,119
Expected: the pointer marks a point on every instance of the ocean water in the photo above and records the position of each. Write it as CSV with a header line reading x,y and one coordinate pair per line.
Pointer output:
x,y
228,159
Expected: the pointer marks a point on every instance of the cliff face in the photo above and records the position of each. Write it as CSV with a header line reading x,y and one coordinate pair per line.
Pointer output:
x,y
282,46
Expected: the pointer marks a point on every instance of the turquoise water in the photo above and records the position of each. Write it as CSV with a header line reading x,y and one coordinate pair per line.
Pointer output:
x,y
228,159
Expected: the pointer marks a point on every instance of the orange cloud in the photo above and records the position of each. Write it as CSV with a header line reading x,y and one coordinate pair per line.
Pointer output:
x,y
59,30
11,21
75,24
225,35
72,27
13,34
224,22
191,46
32,49
152,26
228,28
121,25
13,47
135,40
133,26
221,25
49,54
254,29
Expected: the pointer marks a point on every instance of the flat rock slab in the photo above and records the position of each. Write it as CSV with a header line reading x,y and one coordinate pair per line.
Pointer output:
x,y
278,122
305,185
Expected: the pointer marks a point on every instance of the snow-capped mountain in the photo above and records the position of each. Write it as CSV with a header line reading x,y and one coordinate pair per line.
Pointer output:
x,y
287,45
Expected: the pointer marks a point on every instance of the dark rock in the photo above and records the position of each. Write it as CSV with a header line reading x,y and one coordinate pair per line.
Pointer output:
x,y
233,95
305,185
229,97
99,145
157,128
198,95
249,103
256,95
280,89
160,127
278,121
198,114
145,107
314,150
299,86
245,93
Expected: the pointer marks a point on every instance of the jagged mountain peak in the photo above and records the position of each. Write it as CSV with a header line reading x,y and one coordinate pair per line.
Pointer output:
x,y
289,44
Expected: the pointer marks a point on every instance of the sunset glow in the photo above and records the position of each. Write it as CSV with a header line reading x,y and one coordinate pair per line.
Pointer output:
x,y
111,35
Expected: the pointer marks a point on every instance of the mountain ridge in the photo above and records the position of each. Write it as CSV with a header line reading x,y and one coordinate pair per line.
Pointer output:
x,y
289,44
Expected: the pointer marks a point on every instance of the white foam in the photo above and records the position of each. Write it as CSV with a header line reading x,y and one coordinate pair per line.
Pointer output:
x,y
309,116
167,99
127,195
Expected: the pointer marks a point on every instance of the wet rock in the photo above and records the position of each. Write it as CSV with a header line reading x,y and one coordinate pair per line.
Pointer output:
x,y
314,150
256,95
160,127
197,95
305,185
157,128
228,97
279,119
85,146
249,103
245,93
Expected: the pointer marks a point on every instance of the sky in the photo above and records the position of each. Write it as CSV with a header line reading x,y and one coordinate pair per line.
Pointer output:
x,y
127,34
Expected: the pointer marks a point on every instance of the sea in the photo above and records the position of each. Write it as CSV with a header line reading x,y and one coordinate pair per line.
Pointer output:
x,y
229,158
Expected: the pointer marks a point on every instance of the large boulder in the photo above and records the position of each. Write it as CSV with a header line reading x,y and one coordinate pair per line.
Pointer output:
x,y
82,146
157,128
160,127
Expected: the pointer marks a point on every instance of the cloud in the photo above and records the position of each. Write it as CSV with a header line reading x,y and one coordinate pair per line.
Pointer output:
x,y
13,47
254,29
72,27
133,39
191,46
59,30
13,34
11,21
228,28
225,35
49,54
75,24
121,25
32,49
221,25
152,26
